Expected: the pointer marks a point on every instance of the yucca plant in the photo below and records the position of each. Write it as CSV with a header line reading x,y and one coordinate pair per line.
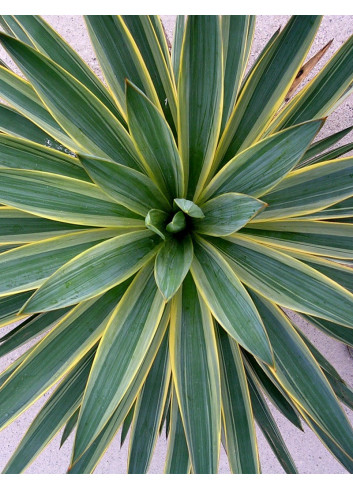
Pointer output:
x,y
152,230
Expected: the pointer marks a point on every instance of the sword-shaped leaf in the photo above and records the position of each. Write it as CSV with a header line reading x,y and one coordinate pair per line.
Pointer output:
x,y
155,143
27,267
264,164
62,404
309,189
120,353
63,199
48,42
90,458
285,280
239,427
57,353
173,262
9,307
200,91
177,459
148,413
126,186
228,300
195,370
80,113
227,213
25,155
20,227
94,271
267,86
302,377
322,238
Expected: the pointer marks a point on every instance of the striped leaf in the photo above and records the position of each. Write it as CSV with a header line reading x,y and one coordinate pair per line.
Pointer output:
x,y
9,307
195,370
260,167
228,300
322,238
173,262
155,143
148,413
227,213
239,427
83,116
200,91
267,86
128,187
125,342
285,280
94,271
310,189
27,267
301,376
57,353
49,43
63,199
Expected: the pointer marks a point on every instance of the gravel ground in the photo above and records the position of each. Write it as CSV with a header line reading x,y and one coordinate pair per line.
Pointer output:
x,y
308,453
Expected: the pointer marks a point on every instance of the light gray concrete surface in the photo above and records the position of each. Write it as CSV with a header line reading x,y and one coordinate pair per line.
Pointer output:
x,y
309,454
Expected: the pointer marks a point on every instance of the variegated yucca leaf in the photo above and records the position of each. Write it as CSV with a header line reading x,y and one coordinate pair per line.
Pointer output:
x,y
152,229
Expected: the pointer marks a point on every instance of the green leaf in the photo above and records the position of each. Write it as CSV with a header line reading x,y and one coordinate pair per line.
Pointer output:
x,y
119,57
235,30
263,165
126,425
29,329
227,213
322,238
267,86
330,155
173,262
177,458
63,199
301,376
20,227
310,189
69,426
239,427
340,210
49,43
80,113
189,208
154,51
318,98
156,221
57,353
90,458
177,224
22,97
148,413
125,342
16,29
23,154
273,390
200,91
269,427
56,411
9,307
177,44
94,271
228,301
15,124
126,186
27,267
155,143
195,370
340,333
285,280
319,147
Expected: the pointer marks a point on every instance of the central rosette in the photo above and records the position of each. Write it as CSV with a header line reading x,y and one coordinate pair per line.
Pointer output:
x,y
178,222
